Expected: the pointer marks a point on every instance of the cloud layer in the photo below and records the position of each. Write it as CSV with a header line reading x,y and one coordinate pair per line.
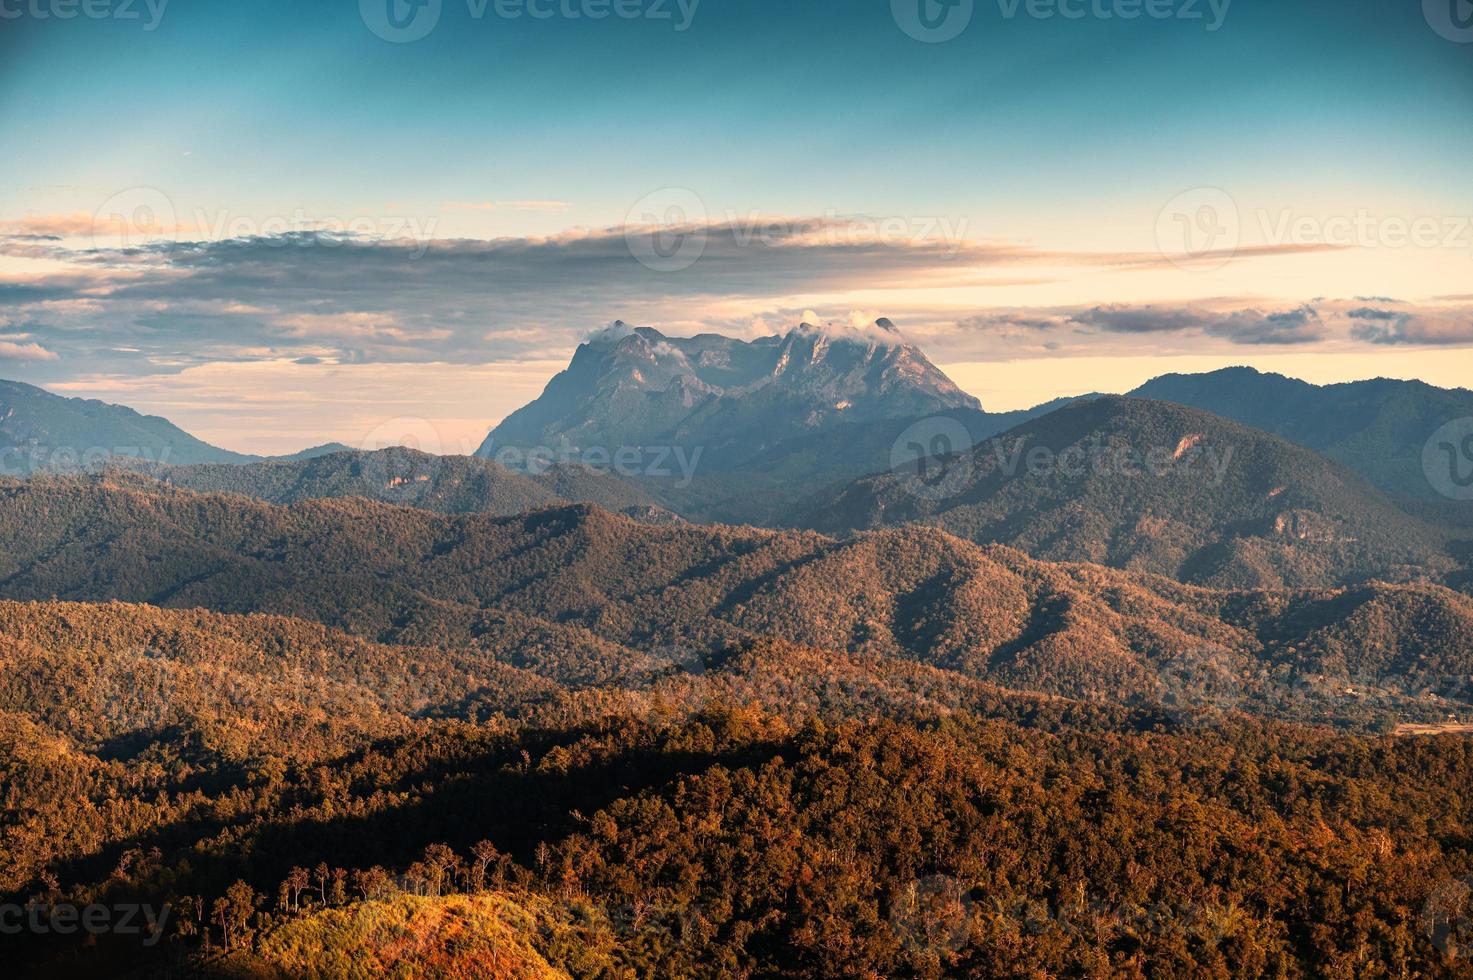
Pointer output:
x,y
73,306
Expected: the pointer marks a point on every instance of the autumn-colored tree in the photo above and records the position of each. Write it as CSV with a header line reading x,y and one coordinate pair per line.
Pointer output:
x,y
485,854
297,881
441,863
233,913
321,875
371,884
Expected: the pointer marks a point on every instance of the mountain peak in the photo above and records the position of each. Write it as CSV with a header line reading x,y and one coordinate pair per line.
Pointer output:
x,y
881,332
634,386
619,331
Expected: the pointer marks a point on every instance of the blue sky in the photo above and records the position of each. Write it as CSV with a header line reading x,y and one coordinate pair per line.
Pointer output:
x,y
1068,139
785,107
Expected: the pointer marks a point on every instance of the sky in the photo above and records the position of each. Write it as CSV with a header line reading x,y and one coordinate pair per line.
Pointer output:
x,y
285,223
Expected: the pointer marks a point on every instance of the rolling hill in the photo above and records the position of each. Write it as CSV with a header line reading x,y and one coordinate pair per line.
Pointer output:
x,y
397,475
1153,487
583,597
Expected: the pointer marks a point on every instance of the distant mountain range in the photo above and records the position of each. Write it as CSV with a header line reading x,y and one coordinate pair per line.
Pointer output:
x,y
785,418
1377,427
1153,487
799,428
40,431
763,422
43,432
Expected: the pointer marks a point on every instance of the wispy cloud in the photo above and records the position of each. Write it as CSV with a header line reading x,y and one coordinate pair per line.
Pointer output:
x,y
1216,257
1244,326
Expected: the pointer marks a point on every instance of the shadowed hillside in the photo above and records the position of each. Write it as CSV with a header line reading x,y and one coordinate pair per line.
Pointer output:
x,y
1377,427
397,475
1153,487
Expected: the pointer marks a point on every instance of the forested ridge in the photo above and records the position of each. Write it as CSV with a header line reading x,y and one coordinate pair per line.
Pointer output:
x,y
579,596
